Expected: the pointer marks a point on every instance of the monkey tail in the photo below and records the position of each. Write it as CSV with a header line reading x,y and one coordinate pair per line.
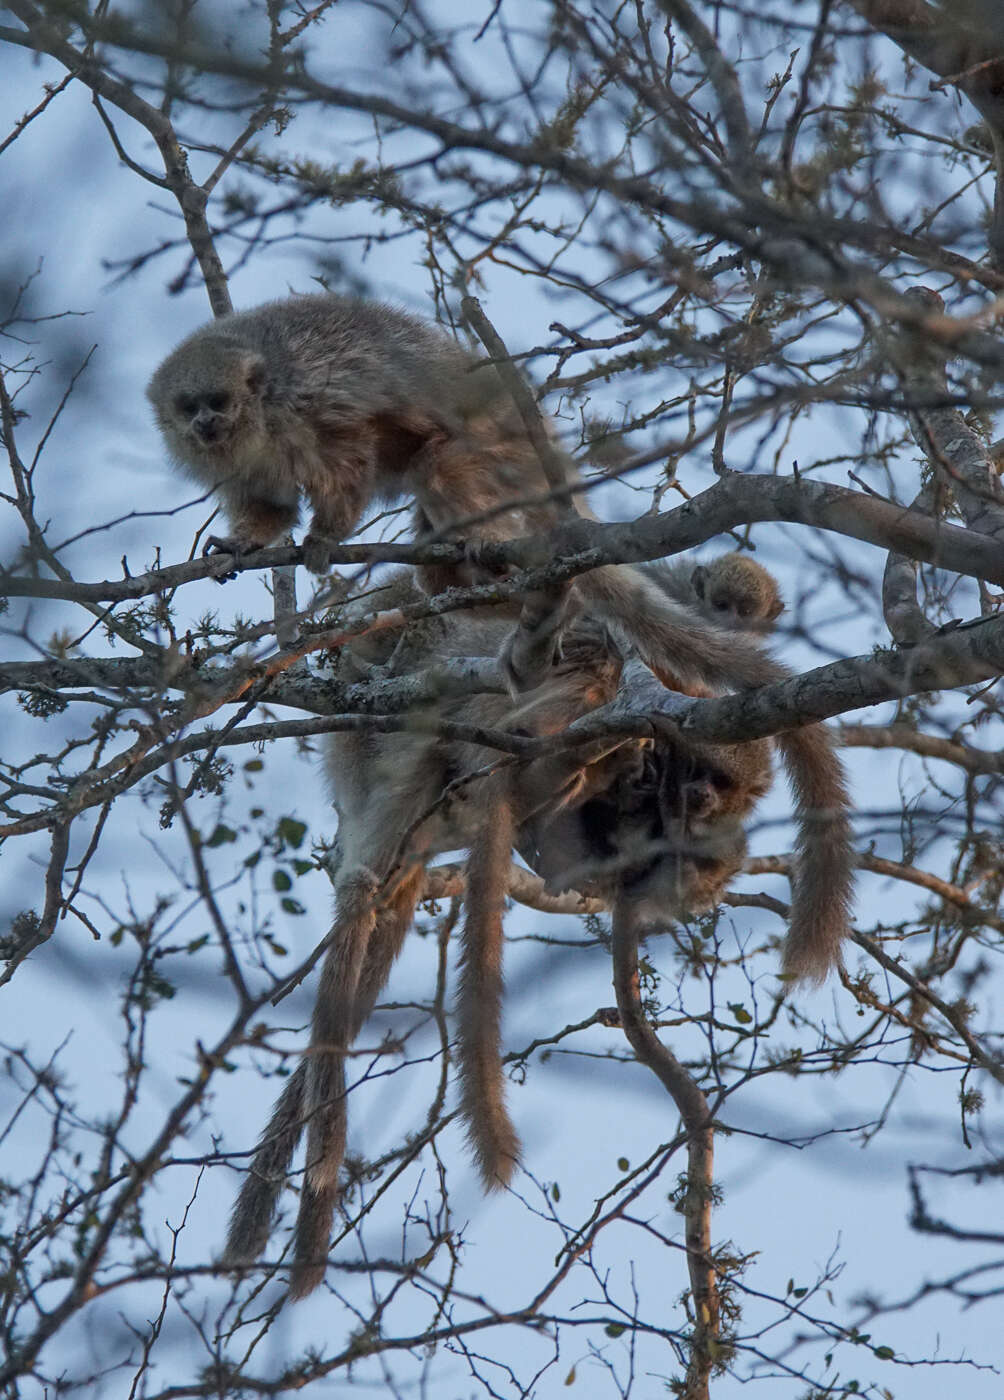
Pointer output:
x,y
254,1209
685,651
490,1132
313,1237
823,883
370,926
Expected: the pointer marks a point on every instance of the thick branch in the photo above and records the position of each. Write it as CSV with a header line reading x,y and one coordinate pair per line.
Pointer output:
x,y
969,655
734,501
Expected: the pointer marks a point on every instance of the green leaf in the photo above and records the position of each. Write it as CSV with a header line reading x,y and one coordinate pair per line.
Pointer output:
x,y
291,831
623,1164
614,1329
222,836
281,881
740,1013
253,765
292,906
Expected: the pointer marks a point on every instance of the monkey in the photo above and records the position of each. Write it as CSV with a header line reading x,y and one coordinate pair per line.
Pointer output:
x,y
349,403
733,589
654,825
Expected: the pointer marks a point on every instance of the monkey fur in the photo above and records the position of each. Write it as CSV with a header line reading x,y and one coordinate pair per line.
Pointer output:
x,y
650,826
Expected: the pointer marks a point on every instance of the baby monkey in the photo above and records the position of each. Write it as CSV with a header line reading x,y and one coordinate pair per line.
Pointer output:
x,y
733,590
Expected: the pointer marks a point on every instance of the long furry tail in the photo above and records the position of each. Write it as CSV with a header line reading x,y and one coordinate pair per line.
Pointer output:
x,y
686,652
366,939
823,885
254,1209
490,1132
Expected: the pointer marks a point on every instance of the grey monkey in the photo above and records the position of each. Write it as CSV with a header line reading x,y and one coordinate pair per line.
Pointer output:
x,y
349,402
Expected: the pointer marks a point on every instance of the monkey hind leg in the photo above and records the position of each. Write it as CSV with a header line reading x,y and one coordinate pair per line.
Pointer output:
x,y
366,940
490,1132
254,1209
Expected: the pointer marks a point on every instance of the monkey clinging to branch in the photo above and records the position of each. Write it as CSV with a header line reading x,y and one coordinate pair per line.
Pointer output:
x,y
347,403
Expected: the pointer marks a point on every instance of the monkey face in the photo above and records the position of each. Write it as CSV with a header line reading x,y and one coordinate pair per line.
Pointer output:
x,y
661,827
728,608
738,592
208,397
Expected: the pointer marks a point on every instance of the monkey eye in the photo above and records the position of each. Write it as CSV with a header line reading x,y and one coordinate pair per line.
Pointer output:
x,y
187,405
721,605
217,402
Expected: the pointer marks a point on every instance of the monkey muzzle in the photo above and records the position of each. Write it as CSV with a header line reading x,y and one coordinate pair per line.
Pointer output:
x,y
209,428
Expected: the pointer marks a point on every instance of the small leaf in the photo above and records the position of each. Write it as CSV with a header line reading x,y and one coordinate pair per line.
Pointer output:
x,y
291,831
222,836
292,906
281,881
614,1329
253,765
623,1164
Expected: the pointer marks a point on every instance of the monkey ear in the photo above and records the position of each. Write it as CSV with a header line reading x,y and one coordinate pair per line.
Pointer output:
x,y
253,369
776,610
699,580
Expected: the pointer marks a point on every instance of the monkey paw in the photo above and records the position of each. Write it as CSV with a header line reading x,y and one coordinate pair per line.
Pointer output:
x,y
223,544
316,553
478,555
